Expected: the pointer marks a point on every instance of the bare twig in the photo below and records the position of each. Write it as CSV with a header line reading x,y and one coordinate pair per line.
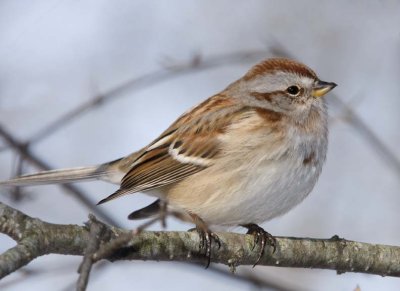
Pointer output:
x,y
27,273
74,191
115,244
36,238
195,65
366,132
65,119
98,268
95,230
16,192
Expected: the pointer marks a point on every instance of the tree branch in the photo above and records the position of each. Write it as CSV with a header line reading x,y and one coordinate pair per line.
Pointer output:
x,y
95,229
36,238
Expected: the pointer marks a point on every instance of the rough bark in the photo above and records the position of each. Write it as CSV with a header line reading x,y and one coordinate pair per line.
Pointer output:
x,y
36,238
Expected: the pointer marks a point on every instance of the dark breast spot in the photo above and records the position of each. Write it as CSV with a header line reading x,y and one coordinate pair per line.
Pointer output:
x,y
309,159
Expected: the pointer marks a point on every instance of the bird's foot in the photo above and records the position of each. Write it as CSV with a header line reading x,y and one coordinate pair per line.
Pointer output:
x,y
261,238
206,238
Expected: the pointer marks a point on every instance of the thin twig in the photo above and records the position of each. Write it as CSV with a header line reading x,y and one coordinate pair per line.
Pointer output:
x,y
146,81
74,191
367,133
113,245
95,229
65,119
16,192
98,268
27,273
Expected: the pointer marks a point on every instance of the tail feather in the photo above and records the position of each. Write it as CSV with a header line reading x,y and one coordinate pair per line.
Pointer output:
x,y
58,176
146,212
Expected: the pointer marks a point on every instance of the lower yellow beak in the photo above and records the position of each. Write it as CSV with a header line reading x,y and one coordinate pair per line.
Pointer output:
x,y
321,88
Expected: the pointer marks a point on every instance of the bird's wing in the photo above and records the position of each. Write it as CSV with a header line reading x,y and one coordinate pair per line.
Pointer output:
x,y
188,146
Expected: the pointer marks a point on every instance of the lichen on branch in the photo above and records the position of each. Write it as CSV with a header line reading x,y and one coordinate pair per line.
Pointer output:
x,y
35,238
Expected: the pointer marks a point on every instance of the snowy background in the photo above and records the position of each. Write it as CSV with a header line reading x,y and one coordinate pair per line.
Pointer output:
x,y
57,54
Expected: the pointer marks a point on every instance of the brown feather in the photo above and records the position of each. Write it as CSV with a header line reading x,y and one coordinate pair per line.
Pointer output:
x,y
184,149
271,66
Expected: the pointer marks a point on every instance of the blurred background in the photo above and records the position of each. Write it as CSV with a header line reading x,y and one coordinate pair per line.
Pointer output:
x,y
84,82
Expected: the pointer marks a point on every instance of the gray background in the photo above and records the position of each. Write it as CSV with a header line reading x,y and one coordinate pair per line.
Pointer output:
x,y
54,55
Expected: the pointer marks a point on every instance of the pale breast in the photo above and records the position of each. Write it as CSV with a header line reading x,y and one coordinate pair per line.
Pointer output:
x,y
263,174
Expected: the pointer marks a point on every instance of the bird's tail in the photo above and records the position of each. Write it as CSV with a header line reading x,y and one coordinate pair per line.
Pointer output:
x,y
102,172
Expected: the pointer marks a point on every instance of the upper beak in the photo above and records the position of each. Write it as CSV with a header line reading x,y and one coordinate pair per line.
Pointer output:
x,y
321,88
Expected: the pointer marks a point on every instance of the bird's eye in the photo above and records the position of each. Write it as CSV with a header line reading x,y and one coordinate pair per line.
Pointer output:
x,y
293,90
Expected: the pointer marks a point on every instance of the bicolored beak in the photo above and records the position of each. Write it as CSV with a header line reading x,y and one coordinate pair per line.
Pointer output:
x,y
321,88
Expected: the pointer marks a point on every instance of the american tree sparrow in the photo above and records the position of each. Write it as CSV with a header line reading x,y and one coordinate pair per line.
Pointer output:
x,y
243,156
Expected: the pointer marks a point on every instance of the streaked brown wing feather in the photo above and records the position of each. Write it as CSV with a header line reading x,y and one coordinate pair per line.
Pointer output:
x,y
185,148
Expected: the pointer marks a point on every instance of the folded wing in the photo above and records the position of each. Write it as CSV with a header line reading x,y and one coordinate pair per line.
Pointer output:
x,y
190,145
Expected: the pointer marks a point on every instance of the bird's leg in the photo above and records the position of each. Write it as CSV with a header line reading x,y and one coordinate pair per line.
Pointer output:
x,y
261,237
163,213
206,237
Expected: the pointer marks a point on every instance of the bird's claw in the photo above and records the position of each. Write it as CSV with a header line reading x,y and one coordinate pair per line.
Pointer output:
x,y
206,238
261,238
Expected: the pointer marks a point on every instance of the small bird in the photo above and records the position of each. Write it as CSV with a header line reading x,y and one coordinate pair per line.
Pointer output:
x,y
243,156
